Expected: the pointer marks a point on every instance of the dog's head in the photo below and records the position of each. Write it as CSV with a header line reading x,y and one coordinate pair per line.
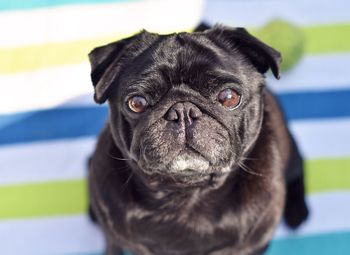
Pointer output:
x,y
187,105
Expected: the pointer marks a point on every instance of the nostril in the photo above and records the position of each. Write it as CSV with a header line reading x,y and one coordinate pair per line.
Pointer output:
x,y
171,115
183,112
195,113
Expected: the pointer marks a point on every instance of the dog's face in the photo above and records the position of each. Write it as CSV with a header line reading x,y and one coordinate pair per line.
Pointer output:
x,y
188,106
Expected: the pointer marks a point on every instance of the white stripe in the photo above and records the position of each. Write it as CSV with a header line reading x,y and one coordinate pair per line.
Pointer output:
x,y
44,88
315,73
329,212
323,138
45,161
52,235
71,85
67,159
74,22
76,234
254,13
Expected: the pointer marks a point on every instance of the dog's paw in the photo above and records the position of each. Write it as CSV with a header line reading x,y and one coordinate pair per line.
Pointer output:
x,y
114,250
296,213
92,214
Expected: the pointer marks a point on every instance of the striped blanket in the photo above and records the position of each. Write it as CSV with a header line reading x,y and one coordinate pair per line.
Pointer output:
x,y
49,123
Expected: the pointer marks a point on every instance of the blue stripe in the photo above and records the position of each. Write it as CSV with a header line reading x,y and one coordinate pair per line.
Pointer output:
x,y
87,121
311,105
9,5
52,124
322,244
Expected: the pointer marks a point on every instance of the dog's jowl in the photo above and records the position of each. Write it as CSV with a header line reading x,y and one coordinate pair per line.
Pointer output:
x,y
196,157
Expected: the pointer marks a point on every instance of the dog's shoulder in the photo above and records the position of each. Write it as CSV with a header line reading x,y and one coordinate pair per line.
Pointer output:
x,y
277,125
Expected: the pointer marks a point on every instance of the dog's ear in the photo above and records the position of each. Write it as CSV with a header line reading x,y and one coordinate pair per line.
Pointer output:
x,y
202,27
102,60
106,62
260,54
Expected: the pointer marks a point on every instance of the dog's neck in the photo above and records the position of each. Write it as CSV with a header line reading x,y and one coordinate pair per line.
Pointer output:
x,y
171,197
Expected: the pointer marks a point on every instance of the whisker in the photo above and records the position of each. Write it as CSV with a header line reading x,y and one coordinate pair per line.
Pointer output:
x,y
122,169
250,159
123,187
117,158
248,170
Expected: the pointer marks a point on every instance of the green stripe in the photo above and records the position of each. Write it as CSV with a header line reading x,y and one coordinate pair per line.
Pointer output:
x,y
70,197
322,244
319,39
10,5
43,199
324,175
327,38
294,41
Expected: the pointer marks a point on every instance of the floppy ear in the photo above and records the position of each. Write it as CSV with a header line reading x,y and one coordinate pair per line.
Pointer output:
x,y
105,67
202,27
260,54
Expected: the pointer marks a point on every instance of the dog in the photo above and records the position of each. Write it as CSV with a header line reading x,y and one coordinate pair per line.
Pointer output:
x,y
196,157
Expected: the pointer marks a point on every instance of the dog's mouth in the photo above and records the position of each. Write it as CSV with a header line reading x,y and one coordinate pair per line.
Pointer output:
x,y
188,168
186,165
201,151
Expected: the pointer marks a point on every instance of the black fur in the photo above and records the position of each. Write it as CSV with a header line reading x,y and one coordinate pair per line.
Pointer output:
x,y
208,181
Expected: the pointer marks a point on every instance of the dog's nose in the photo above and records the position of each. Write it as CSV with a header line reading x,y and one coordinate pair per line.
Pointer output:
x,y
183,112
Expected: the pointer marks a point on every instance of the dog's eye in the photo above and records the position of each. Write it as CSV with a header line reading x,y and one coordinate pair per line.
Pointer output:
x,y
137,104
229,98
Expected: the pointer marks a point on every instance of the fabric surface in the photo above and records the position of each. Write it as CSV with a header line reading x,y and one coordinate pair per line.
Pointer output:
x,y
49,123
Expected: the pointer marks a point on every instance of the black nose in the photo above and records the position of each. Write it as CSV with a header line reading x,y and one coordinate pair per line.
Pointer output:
x,y
184,112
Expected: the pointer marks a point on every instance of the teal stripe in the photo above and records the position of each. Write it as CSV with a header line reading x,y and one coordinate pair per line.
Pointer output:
x,y
322,244
10,5
325,244
99,253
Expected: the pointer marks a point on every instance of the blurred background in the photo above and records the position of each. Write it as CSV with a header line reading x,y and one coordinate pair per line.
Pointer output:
x,y
49,122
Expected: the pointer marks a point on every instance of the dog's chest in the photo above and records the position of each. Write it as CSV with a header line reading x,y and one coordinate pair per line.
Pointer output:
x,y
198,226
171,236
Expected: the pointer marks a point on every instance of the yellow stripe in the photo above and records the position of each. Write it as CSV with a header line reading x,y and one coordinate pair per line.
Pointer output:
x,y
320,39
21,59
48,55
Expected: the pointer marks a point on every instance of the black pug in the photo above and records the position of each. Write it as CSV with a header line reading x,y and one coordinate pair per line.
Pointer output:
x,y
196,157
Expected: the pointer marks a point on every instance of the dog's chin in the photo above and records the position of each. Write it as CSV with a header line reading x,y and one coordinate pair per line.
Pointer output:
x,y
189,168
188,163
